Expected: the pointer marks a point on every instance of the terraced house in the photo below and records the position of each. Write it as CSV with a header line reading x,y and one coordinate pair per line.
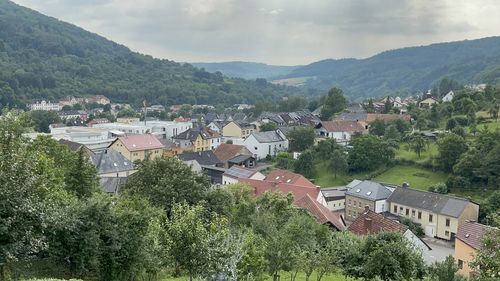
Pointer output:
x,y
439,215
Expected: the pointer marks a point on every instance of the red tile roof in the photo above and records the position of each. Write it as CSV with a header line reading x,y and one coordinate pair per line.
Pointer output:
x,y
227,151
321,213
285,176
140,142
298,191
470,233
342,126
370,222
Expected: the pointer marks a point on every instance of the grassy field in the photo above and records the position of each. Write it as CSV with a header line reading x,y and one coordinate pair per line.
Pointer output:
x,y
416,177
326,178
430,152
286,276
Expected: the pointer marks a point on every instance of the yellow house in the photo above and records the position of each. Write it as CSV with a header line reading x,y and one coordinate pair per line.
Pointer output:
x,y
467,244
198,140
238,129
439,215
137,147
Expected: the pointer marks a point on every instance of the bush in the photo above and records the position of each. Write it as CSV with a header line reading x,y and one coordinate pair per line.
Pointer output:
x,y
414,227
439,188
458,182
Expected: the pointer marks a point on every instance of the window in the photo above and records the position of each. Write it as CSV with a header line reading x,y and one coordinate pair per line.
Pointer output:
x,y
407,211
430,218
412,213
448,222
255,147
349,203
419,215
460,264
401,210
395,209
447,233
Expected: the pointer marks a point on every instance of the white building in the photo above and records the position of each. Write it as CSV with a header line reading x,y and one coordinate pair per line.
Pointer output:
x,y
262,144
44,105
340,130
448,97
94,139
161,129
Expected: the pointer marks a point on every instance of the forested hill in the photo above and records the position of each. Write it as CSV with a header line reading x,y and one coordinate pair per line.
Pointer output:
x,y
42,57
405,70
246,70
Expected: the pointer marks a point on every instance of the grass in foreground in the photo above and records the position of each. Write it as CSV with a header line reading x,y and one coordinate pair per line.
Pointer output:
x,y
285,276
417,178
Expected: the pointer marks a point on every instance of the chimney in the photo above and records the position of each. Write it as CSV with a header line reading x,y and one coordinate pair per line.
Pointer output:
x,y
405,185
368,225
367,208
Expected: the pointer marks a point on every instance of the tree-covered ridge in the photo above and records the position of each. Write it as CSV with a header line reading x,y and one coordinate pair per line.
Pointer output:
x,y
408,69
42,57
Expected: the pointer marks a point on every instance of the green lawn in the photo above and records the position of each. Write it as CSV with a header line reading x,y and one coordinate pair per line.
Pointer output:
x,y
416,177
430,152
286,276
326,178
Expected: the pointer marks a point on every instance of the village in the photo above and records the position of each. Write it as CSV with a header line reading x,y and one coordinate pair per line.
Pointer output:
x,y
234,148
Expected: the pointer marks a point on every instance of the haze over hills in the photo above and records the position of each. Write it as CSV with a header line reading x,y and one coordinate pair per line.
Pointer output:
x,y
400,71
42,57
247,70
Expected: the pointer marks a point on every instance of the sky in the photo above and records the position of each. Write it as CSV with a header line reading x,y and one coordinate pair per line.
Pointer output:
x,y
281,32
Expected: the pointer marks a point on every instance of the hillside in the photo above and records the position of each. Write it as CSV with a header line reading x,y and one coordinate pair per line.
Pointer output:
x,y
42,57
404,70
246,70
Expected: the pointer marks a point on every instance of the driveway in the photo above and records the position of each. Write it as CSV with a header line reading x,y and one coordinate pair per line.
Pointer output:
x,y
440,250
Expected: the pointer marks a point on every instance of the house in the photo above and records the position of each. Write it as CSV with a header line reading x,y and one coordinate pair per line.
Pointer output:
x,y
306,197
233,154
340,130
199,140
91,138
280,175
335,198
262,144
110,163
73,114
448,97
236,129
44,105
370,222
216,126
93,122
427,103
75,147
214,173
321,214
439,215
467,243
199,159
235,173
366,193
138,147
99,99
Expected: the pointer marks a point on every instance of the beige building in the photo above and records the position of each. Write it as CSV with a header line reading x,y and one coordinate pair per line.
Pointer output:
x,y
138,147
361,194
439,215
238,130
467,244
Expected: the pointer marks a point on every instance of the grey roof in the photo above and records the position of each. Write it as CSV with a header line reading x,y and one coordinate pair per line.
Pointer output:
x,y
189,134
370,190
333,192
112,185
352,116
240,158
270,136
239,172
111,161
207,157
434,202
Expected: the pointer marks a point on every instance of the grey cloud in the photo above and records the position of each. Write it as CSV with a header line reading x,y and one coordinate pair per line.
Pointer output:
x,y
274,31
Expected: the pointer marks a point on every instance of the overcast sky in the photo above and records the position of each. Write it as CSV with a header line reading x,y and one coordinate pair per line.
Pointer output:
x,y
285,32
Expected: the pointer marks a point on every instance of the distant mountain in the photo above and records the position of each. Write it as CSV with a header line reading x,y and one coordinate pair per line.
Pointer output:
x,y
42,57
404,70
246,70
